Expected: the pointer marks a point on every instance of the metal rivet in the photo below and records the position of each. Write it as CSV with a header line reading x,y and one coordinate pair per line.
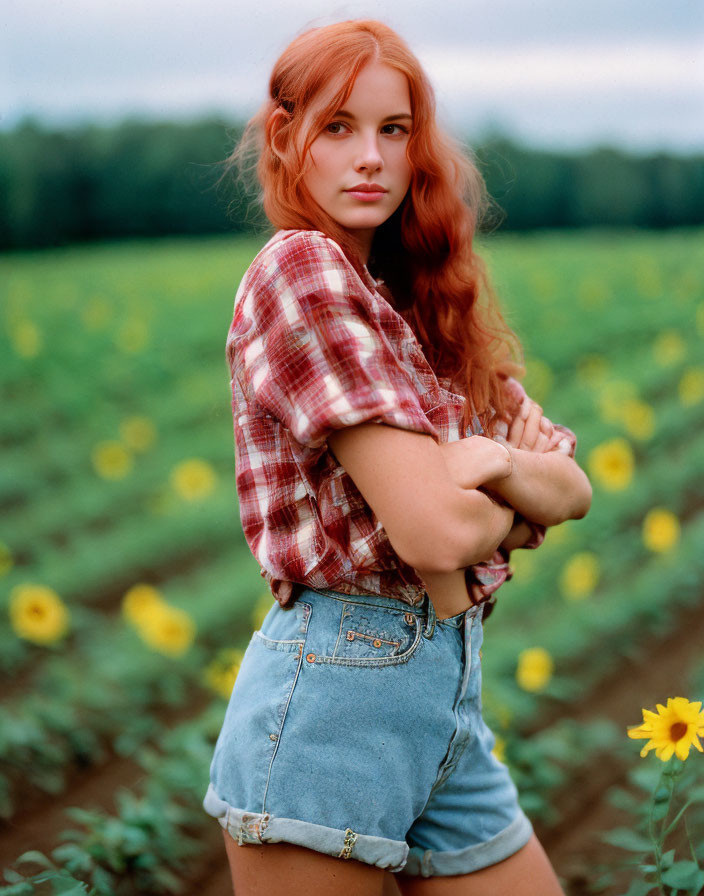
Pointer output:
x,y
272,737
350,636
409,617
311,657
377,642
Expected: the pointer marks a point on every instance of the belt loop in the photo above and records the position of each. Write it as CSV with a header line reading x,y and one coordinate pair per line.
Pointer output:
x,y
432,616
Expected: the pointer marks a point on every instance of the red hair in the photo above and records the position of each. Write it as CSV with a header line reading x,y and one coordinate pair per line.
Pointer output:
x,y
424,251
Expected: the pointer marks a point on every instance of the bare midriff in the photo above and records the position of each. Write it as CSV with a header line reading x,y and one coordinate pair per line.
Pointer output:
x,y
447,592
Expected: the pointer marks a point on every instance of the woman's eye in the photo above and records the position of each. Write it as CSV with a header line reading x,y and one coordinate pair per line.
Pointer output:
x,y
340,124
400,126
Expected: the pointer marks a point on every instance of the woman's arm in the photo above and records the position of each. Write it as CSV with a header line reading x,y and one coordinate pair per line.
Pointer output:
x,y
546,488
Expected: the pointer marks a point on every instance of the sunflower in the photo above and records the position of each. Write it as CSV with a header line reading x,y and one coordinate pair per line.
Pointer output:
x,y
138,432
672,729
691,386
221,673
111,459
139,600
638,418
611,464
534,669
669,348
167,629
580,575
661,529
38,614
193,479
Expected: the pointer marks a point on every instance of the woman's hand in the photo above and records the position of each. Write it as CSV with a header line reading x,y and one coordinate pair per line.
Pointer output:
x,y
530,429
476,460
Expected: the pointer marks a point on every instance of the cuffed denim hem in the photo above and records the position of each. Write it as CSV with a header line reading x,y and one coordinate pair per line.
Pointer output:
x,y
430,863
256,827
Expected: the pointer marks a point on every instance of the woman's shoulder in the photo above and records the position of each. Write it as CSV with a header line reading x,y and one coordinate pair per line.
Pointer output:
x,y
300,246
299,259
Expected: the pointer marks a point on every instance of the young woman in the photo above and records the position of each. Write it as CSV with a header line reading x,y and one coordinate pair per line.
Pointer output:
x,y
387,463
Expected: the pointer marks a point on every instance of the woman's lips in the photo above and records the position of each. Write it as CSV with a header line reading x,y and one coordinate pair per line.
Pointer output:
x,y
365,195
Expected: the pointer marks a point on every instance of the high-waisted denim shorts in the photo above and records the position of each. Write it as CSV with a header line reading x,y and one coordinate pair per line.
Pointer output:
x,y
355,729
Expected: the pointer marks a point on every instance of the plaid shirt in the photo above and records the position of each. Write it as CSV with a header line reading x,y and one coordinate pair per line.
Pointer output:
x,y
313,348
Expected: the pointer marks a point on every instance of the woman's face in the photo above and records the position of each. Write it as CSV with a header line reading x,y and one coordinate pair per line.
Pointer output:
x,y
364,143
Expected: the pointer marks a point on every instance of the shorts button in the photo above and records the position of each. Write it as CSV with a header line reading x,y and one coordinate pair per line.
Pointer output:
x,y
409,617
310,657
377,642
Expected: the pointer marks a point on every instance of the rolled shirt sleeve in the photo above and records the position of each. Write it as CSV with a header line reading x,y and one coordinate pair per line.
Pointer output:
x,y
308,342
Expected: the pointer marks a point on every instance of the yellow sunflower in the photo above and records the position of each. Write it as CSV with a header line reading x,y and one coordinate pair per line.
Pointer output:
x,y
669,348
691,386
499,750
138,432
26,338
38,614
193,479
111,459
580,575
672,729
611,464
638,418
167,629
221,673
661,530
534,670
139,600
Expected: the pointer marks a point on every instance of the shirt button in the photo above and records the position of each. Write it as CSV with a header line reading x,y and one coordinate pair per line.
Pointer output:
x,y
409,617
350,636
311,657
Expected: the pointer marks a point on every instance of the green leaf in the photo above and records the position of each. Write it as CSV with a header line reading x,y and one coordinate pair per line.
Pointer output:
x,y
640,888
667,858
33,855
69,888
625,838
23,889
684,875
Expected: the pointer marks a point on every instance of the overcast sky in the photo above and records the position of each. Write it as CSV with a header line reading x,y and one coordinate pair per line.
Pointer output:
x,y
558,73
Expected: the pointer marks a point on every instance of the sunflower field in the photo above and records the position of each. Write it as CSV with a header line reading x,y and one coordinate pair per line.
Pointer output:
x,y
128,592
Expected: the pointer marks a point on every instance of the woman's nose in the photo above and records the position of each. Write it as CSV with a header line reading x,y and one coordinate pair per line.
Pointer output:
x,y
369,153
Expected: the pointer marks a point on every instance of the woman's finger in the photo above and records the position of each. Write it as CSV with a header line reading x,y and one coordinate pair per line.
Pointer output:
x,y
532,426
515,431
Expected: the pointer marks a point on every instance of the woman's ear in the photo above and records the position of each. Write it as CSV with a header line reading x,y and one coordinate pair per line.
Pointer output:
x,y
277,129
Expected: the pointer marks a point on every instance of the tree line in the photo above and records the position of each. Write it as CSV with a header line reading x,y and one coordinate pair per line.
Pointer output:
x,y
150,178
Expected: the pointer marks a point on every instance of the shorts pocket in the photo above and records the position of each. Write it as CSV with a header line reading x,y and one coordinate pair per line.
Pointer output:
x,y
284,629
369,635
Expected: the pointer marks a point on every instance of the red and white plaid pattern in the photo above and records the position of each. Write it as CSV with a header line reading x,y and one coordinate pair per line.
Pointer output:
x,y
312,348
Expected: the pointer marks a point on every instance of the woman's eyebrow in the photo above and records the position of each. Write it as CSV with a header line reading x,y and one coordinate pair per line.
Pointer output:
x,y
344,114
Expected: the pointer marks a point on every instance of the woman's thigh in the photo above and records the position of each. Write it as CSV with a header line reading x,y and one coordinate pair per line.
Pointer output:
x,y
527,872
298,871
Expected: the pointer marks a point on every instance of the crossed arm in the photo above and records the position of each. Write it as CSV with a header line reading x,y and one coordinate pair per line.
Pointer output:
x,y
544,485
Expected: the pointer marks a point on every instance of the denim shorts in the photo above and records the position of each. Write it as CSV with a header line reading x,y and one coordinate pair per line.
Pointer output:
x,y
355,729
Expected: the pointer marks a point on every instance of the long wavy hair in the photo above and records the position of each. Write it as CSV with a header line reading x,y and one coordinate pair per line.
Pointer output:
x,y
424,251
